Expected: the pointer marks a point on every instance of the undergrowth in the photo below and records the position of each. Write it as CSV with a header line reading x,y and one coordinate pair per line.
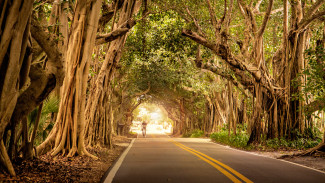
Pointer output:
x,y
239,141
310,139
194,134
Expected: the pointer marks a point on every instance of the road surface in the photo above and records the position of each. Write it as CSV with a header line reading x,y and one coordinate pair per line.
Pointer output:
x,y
158,158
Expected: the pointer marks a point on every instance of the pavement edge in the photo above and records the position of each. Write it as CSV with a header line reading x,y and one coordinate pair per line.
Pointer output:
x,y
112,170
252,153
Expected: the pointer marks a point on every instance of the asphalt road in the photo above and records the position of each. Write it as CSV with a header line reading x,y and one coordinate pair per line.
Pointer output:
x,y
158,158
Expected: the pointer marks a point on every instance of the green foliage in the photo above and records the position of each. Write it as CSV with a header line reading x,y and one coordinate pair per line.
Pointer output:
x,y
315,74
186,134
314,87
196,133
310,133
133,133
158,54
301,143
50,105
240,140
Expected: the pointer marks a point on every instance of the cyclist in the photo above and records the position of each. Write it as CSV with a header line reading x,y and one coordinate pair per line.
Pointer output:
x,y
144,128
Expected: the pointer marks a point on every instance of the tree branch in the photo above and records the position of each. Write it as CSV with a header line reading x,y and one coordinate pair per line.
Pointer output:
x,y
194,20
305,22
315,106
266,18
213,19
144,92
314,7
257,6
50,48
249,15
272,12
108,12
228,16
101,39
223,52
236,65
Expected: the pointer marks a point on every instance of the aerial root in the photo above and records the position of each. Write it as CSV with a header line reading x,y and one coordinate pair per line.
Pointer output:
x,y
6,160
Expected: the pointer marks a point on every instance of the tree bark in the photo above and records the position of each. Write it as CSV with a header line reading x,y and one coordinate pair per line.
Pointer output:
x,y
287,113
70,122
101,90
15,59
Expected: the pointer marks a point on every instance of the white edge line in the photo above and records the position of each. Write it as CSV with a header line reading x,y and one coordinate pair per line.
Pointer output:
x,y
252,153
117,165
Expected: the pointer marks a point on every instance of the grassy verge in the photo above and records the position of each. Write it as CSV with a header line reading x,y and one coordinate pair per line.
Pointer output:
x,y
194,134
240,141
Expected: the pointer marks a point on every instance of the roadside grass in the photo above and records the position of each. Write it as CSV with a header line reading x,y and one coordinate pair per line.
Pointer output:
x,y
194,134
310,139
132,134
239,141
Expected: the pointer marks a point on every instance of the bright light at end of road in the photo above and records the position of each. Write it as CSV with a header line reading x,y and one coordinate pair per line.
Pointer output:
x,y
155,115
143,112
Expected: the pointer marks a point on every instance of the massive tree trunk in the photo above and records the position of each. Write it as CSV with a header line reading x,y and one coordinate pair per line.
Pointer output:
x,y
182,116
15,59
67,136
98,102
172,114
15,56
58,29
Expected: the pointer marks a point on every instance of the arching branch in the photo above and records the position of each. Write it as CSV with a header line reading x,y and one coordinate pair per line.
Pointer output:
x,y
144,92
50,48
266,19
314,8
305,22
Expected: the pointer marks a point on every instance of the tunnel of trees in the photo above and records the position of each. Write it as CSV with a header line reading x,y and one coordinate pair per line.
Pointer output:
x,y
72,73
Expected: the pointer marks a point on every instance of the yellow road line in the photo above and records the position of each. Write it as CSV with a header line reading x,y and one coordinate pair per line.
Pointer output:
x,y
216,161
231,177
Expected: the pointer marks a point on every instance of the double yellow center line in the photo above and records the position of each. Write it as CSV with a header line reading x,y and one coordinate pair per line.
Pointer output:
x,y
216,164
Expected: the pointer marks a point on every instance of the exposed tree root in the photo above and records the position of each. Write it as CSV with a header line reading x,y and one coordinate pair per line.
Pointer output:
x,y
5,159
48,144
86,153
319,148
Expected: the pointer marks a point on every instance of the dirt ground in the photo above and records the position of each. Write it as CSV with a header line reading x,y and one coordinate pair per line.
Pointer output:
x,y
62,169
316,161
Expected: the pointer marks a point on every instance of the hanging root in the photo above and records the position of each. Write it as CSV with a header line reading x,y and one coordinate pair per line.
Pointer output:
x,y
5,159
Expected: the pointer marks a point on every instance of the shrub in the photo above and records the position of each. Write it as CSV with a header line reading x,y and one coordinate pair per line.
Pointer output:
x,y
240,140
300,143
194,133
197,133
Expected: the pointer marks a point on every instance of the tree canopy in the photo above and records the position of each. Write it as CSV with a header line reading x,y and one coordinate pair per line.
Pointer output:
x,y
74,73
